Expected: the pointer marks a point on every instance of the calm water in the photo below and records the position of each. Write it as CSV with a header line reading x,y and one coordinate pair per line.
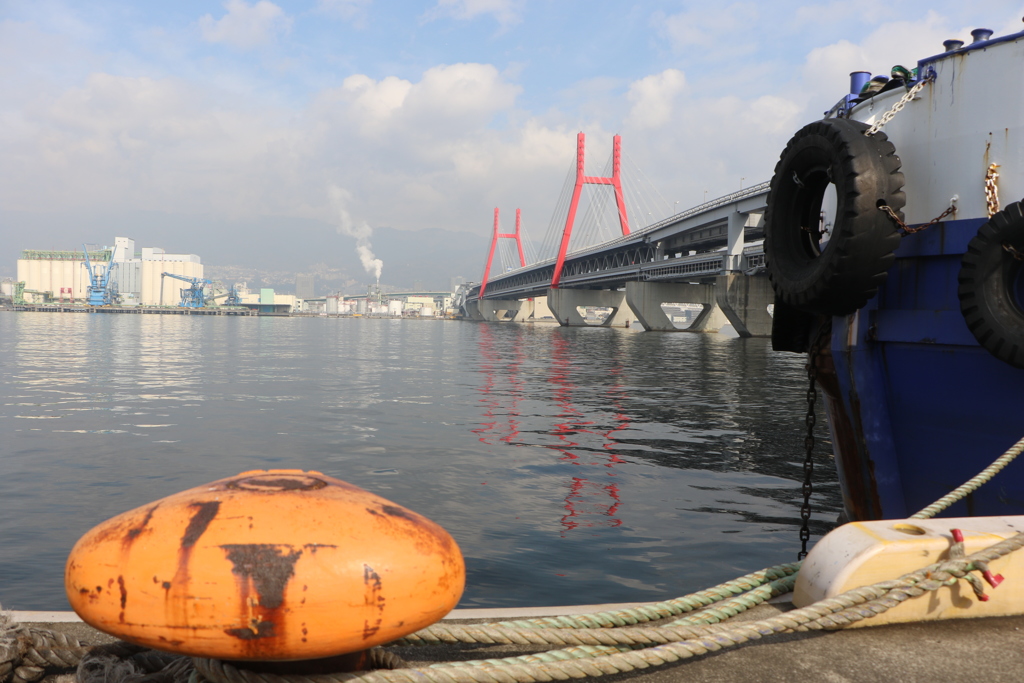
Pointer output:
x,y
571,465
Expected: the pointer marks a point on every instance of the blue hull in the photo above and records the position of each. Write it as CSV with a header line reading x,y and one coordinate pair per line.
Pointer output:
x,y
916,407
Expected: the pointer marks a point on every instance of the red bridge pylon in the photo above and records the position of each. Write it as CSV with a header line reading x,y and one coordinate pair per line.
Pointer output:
x,y
582,180
517,236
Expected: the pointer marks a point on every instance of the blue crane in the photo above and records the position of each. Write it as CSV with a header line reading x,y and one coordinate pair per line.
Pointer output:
x,y
191,297
102,292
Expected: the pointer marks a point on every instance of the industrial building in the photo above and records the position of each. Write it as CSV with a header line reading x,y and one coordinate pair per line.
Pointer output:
x,y
305,286
376,303
267,301
138,275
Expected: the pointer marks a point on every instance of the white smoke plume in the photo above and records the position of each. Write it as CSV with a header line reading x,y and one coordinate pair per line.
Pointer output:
x,y
362,232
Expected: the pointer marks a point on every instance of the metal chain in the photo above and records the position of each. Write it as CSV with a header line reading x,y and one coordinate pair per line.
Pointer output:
x,y
1014,251
991,190
810,420
909,230
898,107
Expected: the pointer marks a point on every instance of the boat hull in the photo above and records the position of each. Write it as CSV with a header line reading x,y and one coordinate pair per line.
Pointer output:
x,y
916,405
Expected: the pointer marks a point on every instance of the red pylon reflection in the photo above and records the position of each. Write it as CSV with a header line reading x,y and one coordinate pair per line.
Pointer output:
x,y
492,397
589,502
585,501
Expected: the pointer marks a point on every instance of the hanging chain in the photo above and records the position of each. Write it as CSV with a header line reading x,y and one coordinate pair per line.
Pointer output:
x,y
810,420
898,107
992,205
909,230
992,190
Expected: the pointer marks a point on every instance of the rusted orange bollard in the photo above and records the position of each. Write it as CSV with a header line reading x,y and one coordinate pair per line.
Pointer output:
x,y
267,565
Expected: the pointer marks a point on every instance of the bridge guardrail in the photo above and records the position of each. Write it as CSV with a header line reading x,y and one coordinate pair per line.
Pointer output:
x,y
705,266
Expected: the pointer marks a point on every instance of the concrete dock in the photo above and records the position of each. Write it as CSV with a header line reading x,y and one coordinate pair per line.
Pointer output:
x,y
962,650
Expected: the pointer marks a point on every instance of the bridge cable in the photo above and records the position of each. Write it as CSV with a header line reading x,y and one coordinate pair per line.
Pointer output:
x,y
553,237
657,206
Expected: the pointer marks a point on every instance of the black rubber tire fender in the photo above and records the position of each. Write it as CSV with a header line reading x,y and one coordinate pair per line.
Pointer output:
x,y
991,287
841,276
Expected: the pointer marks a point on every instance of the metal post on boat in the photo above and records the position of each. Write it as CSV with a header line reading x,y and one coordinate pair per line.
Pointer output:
x,y
980,35
858,79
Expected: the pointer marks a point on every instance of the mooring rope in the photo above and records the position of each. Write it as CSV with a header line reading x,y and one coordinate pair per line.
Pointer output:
x,y
831,613
971,485
589,648
654,611
592,644
26,654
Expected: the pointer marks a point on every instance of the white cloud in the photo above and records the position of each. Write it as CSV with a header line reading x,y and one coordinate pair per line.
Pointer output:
x,y
374,102
143,143
408,153
440,148
653,98
506,12
448,99
898,42
462,91
245,26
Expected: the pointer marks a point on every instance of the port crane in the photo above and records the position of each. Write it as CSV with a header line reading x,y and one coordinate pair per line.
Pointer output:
x,y
193,296
232,297
18,296
102,292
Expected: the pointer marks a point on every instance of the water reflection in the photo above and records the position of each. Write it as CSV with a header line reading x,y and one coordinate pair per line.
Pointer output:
x,y
588,502
571,465
688,402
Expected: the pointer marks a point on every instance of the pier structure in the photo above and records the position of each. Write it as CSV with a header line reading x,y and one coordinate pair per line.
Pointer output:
x,y
708,258
135,310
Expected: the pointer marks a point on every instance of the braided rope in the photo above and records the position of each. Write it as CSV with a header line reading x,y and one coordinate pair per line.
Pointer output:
x,y
730,608
972,484
27,653
837,612
656,610
719,613
594,648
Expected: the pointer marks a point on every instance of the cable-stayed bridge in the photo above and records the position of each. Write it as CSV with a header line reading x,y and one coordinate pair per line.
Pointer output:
x,y
709,256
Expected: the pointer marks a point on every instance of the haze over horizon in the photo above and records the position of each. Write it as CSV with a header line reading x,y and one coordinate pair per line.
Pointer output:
x,y
293,133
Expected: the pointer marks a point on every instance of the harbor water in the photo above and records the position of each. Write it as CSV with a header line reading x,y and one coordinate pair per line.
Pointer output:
x,y
572,465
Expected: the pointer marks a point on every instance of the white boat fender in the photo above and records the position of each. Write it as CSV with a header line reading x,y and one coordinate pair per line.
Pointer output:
x,y
865,553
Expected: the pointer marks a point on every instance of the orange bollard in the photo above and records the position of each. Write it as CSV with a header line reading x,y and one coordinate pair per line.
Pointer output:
x,y
267,565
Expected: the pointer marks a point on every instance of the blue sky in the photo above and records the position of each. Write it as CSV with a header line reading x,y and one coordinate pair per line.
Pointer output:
x,y
360,114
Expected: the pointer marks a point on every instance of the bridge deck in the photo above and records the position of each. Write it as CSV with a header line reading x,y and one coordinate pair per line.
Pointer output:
x,y
685,247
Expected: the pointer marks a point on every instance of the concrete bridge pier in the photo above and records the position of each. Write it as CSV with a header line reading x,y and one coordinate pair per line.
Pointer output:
x,y
564,302
535,310
645,300
473,310
744,300
496,310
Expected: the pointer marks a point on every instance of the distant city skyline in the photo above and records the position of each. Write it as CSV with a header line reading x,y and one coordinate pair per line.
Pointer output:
x,y
282,134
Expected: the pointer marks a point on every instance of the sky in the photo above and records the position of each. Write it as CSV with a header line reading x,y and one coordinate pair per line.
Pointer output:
x,y
206,126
